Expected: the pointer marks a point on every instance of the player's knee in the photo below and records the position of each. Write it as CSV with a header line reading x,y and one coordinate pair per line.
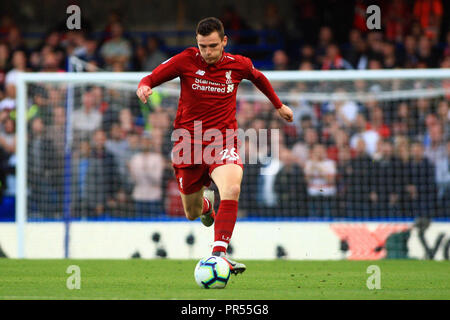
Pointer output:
x,y
192,212
232,192
191,217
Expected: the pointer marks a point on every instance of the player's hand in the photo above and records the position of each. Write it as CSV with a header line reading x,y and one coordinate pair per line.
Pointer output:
x,y
143,93
286,113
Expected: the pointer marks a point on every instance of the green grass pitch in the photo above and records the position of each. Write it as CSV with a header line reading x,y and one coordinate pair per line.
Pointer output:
x,y
272,280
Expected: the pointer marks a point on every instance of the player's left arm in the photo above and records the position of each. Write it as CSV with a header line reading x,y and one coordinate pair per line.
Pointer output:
x,y
264,85
286,113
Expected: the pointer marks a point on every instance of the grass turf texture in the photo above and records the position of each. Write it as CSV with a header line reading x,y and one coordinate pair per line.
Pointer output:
x,y
273,280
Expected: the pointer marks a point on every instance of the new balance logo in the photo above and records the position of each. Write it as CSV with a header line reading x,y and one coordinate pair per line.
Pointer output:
x,y
200,72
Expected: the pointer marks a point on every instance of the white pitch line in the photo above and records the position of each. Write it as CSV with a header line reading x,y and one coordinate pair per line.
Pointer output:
x,y
57,298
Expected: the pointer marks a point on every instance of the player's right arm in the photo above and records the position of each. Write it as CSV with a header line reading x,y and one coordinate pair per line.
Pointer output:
x,y
166,71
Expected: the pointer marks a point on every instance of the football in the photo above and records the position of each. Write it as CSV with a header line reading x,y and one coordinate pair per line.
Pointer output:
x,y
212,273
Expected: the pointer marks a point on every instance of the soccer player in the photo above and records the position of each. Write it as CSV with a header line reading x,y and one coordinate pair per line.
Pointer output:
x,y
209,79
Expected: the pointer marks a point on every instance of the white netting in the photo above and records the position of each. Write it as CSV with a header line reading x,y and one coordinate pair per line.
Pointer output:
x,y
358,148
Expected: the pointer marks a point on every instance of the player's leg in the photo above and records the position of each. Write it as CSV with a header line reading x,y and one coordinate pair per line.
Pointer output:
x,y
228,179
192,204
199,204
208,213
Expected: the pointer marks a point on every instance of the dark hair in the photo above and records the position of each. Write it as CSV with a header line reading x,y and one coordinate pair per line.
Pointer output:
x,y
208,25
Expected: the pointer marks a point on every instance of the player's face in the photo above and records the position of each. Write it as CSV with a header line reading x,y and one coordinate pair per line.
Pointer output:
x,y
211,46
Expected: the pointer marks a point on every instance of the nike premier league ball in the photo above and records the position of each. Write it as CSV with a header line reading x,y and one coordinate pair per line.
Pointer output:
x,y
212,273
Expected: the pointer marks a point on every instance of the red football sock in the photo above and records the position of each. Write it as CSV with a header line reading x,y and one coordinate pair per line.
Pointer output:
x,y
206,205
224,224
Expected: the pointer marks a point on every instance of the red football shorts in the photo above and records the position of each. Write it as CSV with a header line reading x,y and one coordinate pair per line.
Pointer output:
x,y
195,171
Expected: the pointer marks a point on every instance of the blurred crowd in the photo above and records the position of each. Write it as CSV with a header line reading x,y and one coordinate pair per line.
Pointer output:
x,y
344,158
353,158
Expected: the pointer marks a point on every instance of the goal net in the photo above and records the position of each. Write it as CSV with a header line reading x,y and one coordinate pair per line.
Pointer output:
x,y
363,145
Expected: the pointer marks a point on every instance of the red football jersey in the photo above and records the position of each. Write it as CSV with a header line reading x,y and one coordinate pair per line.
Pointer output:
x,y
208,91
